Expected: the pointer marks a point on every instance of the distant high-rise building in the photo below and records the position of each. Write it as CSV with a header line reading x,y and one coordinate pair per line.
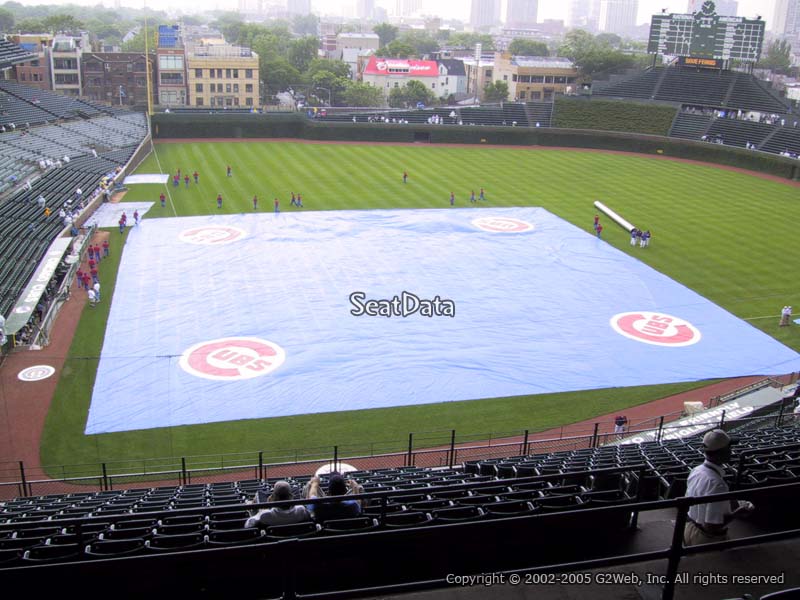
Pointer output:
x,y
365,9
406,8
298,7
485,13
617,16
787,17
582,14
724,8
521,12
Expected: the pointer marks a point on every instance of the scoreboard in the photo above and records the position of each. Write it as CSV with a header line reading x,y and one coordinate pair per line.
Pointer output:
x,y
707,35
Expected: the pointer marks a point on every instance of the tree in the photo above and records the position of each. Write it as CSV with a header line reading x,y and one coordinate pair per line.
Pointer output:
x,y
6,20
302,52
30,26
422,42
592,56
386,33
778,56
523,47
137,43
62,22
305,24
337,67
326,80
362,94
413,93
609,39
277,74
398,49
496,92
468,40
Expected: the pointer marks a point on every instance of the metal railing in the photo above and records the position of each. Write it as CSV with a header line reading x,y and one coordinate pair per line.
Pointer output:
x,y
18,480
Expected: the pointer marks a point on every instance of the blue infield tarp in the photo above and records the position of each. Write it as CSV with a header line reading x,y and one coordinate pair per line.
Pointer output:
x,y
248,316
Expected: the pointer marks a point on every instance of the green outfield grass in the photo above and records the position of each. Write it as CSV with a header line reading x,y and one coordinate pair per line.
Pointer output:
x,y
730,236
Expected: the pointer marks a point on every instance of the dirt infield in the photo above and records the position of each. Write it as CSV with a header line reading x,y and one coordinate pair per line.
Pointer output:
x,y
473,146
24,404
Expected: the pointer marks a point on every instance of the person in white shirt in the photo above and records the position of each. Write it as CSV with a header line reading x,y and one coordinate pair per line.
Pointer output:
x,y
92,297
708,522
279,515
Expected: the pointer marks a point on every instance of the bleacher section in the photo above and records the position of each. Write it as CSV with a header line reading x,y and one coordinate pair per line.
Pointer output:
x,y
702,87
23,104
735,132
750,94
783,139
642,85
690,126
25,232
83,526
12,54
540,112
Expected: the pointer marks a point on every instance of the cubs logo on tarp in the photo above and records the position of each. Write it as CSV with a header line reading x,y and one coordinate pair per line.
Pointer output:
x,y
211,235
502,224
36,373
232,359
655,328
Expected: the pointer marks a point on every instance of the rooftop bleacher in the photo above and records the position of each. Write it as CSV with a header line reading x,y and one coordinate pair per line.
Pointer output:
x,y
12,54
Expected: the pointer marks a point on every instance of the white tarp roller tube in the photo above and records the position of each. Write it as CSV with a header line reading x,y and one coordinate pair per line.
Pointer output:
x,y
614,216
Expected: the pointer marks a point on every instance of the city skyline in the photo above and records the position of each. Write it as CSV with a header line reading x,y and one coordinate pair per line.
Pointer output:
x,y
447,9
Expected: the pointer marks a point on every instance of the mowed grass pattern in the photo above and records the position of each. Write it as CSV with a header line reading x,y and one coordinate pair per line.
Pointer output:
x,y
728,235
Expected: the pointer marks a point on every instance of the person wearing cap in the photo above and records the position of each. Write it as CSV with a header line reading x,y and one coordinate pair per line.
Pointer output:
x,y
280,514
337,486
708,522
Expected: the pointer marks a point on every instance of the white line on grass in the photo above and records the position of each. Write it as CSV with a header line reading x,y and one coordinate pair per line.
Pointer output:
x,y
166,185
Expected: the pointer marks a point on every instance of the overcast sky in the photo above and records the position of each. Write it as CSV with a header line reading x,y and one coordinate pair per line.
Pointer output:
x,y
548,9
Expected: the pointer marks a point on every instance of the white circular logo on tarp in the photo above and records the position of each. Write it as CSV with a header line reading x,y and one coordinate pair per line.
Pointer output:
x,y
211,235
21,310
232,359
502,224
36,373
654,328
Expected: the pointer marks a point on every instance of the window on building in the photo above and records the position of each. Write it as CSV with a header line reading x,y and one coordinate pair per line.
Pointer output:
x,y
228,101
537,78
139,67
560,79
433,85
227,88
236,101
248,87
236,73
22,77
219,73
140,81
170,62
198,101
212,73
447,81
227,73
198,87
198,73
397,84
514,77
94,66
248,73
248,101
522,95
35,63
129,67
66,78
212,87
505,77
36,77
171,78
536,95
235,88
488,74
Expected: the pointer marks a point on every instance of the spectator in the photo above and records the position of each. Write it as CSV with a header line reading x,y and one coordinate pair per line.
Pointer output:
x,y
619,423
281,514
337,486
708,522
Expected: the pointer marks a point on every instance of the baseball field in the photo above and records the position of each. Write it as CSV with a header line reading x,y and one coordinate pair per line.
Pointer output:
x,y
728,235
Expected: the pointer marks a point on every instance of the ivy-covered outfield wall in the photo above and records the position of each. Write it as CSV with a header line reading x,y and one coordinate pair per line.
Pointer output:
x,y
610,115
296,126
